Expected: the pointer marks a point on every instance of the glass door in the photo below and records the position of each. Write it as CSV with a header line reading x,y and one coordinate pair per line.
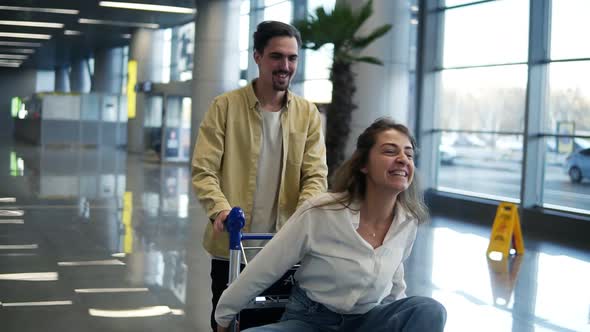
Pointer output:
x,y
177,129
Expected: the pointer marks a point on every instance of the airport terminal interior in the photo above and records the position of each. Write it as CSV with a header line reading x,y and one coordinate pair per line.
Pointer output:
x,y
100,105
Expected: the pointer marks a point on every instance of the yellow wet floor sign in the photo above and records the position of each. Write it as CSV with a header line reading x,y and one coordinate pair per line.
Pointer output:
x,y
506,231
503,277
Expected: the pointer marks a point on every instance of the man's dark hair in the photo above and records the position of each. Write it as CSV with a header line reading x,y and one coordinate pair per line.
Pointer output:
x,y
270,29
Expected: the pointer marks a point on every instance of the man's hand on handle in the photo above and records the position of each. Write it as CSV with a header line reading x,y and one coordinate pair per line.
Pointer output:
x,y
218,224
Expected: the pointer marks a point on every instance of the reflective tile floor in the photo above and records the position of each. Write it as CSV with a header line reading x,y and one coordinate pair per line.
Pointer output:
x,y
98,240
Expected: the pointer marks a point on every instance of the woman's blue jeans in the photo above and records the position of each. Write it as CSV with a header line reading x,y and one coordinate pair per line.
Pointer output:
x,y
414,313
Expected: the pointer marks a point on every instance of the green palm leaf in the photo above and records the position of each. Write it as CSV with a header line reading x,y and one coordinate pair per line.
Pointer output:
x,y
362,42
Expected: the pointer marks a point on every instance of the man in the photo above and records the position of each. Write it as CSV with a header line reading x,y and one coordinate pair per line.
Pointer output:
x,y
259,147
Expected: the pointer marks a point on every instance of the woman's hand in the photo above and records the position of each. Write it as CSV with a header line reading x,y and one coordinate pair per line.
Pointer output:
x,y
226,329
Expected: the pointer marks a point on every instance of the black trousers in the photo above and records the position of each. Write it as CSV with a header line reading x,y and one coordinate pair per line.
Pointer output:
x,y
249,317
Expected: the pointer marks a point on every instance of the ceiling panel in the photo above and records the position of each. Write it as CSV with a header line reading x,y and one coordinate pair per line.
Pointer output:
x,y
61,49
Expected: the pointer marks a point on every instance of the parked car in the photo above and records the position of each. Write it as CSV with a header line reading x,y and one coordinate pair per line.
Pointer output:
x,y
447,155
578,165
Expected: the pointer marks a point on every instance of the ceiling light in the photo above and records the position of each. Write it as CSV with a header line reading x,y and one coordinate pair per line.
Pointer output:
x,y
7,199
90,263
17,50
12,64
11,213
41,10
177,312
18,246
150,7
119,23
140,312
33,24
13,56
23,44
72,32
109,290
24,35
32,276
126,35
11,221
36,304
18,62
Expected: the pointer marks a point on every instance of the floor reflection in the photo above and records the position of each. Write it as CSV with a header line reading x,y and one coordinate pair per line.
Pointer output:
x,y
532,292
503,276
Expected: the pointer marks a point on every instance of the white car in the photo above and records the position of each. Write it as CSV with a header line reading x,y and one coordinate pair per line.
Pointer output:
x,y
578,165
447,154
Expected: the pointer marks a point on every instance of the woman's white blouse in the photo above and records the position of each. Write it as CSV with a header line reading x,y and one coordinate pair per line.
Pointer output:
x,y
339,269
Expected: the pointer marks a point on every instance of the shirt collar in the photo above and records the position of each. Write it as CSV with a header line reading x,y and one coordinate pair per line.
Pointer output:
x,y
253,101
399,216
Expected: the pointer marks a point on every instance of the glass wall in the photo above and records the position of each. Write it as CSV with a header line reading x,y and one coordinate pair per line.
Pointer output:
x,y
167,56
278,10
317,86
482,98
181,43
567,118
482,107
244,41
177,54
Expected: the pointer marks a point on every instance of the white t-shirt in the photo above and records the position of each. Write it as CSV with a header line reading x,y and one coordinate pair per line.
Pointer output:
x,y
268,178
338,267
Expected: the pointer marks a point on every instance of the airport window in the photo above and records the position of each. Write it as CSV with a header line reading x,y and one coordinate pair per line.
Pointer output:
x,y
482,99
167,56
453,3
278,10
181,63
91,66
567,112
317,86
472,35
568,19
244,40
124,70
413,50
481,77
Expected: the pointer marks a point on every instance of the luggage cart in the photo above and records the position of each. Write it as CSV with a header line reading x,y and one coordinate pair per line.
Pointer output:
x,y
234,224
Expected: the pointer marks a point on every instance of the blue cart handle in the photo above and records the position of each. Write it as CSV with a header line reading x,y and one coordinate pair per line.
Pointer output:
x,y
257,236
234,223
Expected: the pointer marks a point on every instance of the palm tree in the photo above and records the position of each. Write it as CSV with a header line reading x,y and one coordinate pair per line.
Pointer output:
x,y
340,28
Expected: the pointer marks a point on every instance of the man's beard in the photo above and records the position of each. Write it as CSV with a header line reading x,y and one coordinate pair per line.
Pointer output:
x,y
278,86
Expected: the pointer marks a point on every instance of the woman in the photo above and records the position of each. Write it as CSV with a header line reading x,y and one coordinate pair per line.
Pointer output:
x,y
351,245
